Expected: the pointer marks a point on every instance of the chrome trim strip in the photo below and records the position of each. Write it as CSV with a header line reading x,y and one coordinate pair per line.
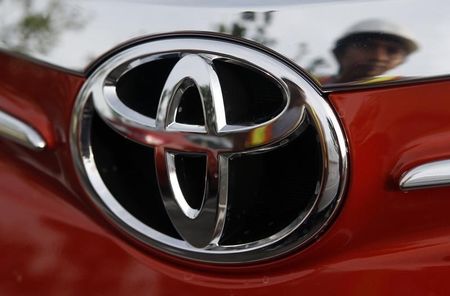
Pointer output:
x,y
281,26
15,130
433,174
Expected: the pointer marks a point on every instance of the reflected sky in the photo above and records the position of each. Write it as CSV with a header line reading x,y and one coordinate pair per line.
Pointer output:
x,y
305,32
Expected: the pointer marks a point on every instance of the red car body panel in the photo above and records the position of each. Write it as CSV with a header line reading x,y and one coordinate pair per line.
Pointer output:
x,y
383,242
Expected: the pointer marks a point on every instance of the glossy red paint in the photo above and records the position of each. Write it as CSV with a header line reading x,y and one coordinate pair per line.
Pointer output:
x,y
383,242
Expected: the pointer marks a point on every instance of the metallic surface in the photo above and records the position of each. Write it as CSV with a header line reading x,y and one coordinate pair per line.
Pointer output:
x,y
288,27
203,227
434,174
384,242
19,132
220,142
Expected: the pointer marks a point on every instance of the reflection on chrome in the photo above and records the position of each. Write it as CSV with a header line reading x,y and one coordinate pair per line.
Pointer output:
x,y
201,228
368,50
217,140
283,26
19,132
35,27
433,174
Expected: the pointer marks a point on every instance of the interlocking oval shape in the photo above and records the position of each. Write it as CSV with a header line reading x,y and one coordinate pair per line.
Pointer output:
x,y
217,140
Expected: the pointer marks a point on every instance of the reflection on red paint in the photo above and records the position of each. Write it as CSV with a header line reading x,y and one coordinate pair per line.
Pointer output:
x,y
383,242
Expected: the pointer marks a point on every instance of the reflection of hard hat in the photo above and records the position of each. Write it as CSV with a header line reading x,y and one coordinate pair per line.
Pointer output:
x,y
382,29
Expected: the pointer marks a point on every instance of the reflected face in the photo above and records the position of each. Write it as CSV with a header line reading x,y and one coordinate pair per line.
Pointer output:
x,y
370,57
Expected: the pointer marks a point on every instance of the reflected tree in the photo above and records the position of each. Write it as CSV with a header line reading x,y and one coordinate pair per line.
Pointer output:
x,y
251,25
254,26
314,64
35,26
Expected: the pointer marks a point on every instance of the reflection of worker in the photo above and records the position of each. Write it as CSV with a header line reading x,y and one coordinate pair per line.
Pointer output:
x,y
370,48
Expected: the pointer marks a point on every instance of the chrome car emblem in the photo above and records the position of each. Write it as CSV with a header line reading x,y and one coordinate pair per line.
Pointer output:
x,y
201,227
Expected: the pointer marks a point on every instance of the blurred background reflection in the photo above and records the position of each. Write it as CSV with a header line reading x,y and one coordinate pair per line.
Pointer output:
x,y
411,34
